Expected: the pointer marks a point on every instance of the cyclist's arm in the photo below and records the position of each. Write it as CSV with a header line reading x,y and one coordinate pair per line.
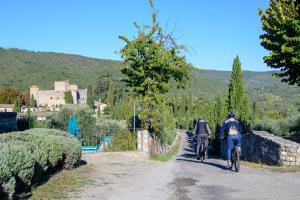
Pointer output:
x,y
221,134
195,129
208,130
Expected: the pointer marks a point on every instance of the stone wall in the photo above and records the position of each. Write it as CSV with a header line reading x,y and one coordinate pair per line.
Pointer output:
x,y
262,147
8,122
152,145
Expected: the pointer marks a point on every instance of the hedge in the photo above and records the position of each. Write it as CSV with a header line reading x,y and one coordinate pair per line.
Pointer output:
x,y
25,157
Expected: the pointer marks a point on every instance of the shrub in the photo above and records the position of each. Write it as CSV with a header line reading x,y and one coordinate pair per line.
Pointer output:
x,y
123,141
27,156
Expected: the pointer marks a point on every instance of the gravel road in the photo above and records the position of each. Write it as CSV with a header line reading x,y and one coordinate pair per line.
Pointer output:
x,y
130,176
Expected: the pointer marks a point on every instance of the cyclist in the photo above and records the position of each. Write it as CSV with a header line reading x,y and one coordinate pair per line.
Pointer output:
x,y
233,130
202,131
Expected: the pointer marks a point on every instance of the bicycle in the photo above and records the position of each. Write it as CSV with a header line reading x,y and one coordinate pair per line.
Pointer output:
x,y
235,156
202,150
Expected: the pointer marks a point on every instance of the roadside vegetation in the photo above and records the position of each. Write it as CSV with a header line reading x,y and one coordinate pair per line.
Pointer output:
x,y
28,157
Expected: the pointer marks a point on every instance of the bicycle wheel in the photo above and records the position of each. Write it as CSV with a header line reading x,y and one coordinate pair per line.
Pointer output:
x,y
237,160
201,152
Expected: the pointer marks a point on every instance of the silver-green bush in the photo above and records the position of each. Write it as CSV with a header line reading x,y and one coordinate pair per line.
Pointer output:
x,y
26,156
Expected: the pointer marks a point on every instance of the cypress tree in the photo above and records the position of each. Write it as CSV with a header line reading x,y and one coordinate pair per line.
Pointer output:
x,y
68,97
237,100
32,102
90,97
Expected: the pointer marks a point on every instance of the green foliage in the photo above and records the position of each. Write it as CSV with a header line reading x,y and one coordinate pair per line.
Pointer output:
x,y
32,102
68,97
86,122
9,95
101,87
22,68
281,24
153,65
123,141
237,99
90,97
17,105
25,157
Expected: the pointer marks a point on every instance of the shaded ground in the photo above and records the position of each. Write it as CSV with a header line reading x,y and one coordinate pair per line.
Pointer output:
x,y
128,176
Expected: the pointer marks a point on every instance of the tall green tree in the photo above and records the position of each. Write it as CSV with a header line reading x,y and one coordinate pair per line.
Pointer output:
x,y
281,25
68,97
17,105
237,99
153,64
102,86
90,97
32,103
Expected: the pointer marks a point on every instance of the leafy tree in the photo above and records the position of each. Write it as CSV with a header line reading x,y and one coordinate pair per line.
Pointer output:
x,y
101,88
68,97
153,65
9,95
237,99
281,24
90,97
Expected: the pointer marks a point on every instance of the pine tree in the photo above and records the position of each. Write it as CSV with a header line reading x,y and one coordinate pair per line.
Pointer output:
x,y
237,100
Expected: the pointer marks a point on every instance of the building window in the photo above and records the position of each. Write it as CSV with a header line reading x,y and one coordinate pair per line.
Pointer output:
x,y
57,98
51,98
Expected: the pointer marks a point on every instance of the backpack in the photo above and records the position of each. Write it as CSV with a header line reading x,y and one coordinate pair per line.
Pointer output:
x,y
201,128
233,128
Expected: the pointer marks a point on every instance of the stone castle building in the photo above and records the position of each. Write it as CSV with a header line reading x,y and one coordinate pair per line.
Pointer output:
x,y
56,97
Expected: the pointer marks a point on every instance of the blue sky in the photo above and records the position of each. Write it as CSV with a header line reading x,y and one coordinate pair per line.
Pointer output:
x,y
216,31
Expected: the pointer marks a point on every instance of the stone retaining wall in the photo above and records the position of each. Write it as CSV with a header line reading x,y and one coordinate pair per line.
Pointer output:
x,y
152,145
263,147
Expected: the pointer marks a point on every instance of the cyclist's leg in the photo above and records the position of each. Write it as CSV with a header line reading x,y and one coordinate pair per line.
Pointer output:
x,y
198,147
239,138
229,148
206,148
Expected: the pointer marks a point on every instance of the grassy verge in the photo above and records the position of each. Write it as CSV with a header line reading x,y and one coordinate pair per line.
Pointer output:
x,y
63,183
278,169
169,155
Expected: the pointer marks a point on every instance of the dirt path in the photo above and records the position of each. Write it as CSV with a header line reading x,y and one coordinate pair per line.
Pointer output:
x,y
128,176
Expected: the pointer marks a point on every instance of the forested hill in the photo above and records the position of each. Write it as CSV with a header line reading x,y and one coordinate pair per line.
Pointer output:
x,y
22,68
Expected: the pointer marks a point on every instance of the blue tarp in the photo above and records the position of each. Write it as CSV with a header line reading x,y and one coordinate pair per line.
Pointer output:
x,y
73,128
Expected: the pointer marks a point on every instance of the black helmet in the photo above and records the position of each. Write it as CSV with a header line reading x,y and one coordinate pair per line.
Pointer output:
x,y
231,114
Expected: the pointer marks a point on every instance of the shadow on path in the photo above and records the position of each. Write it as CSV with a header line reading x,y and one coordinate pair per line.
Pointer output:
x,y
188,154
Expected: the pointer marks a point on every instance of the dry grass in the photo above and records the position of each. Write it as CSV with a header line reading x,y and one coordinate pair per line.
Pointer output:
x,y
271,168
63,183
170,155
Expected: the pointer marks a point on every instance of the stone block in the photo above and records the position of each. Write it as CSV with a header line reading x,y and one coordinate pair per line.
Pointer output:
x,y
292,150
292,159
298,151
283,153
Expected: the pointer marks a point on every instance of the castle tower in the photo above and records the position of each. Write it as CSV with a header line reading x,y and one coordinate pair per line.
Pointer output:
x,y
34,90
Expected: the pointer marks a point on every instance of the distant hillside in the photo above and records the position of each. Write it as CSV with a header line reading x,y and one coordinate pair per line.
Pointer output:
x,y
22,68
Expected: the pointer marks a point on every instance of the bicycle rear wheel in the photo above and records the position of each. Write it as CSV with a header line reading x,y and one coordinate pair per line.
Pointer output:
x,y
202,152
237,163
